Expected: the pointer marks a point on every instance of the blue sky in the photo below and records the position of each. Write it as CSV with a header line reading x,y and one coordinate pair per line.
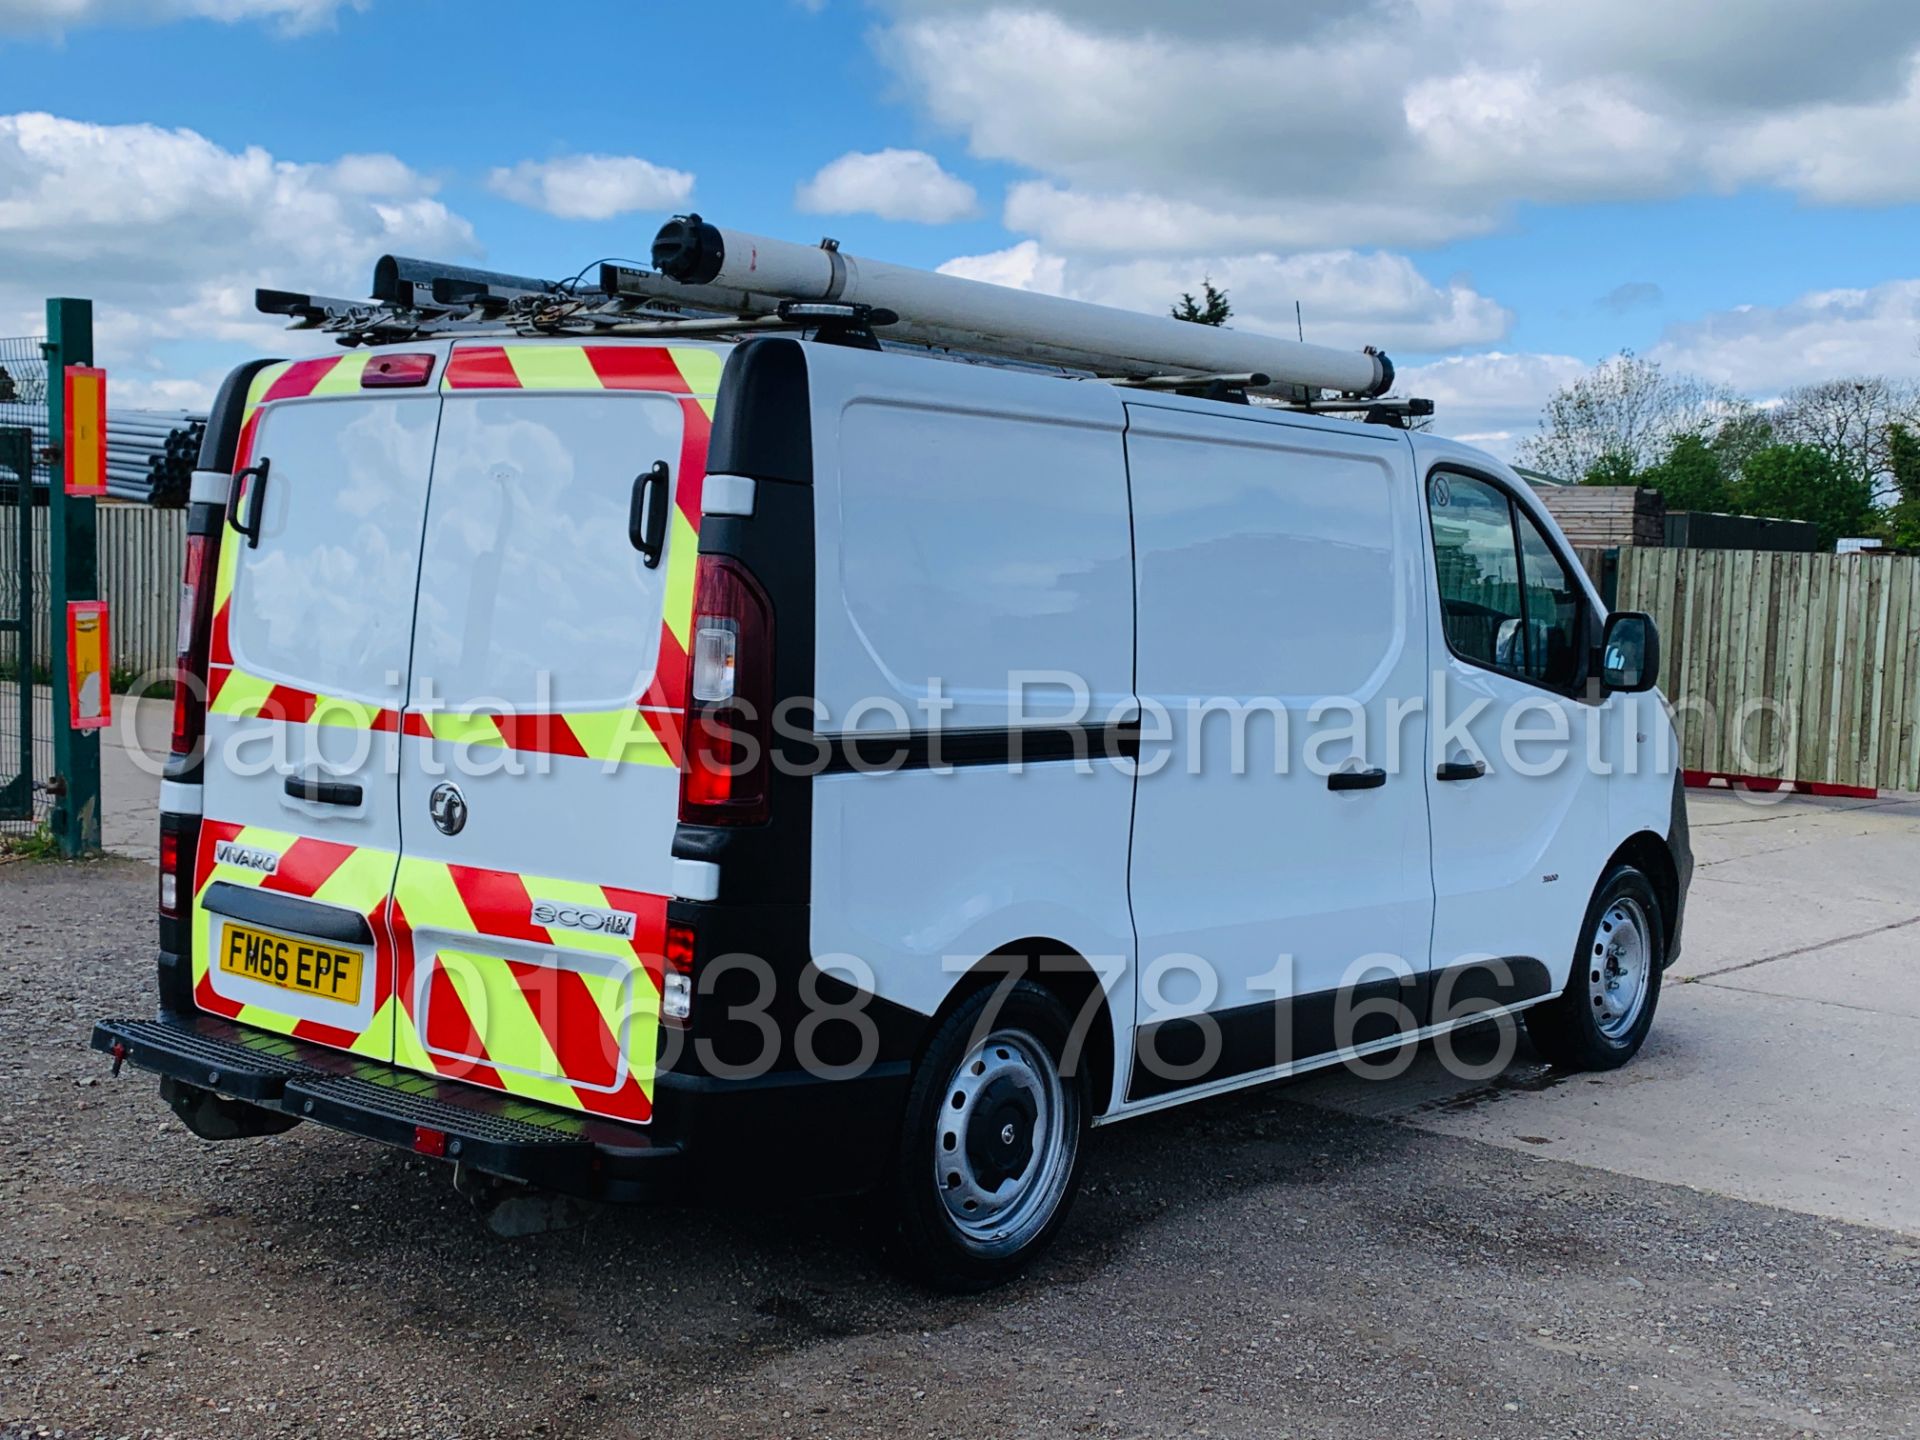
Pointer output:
x,y
1496,194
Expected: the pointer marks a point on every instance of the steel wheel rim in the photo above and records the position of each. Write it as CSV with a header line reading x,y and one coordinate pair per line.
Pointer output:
x,y
1619,960
994,1201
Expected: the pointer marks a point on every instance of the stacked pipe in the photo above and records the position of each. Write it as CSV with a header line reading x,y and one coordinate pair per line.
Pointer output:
x,y
151,454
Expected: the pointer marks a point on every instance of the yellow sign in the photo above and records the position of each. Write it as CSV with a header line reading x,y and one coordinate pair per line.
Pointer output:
x,y
84,446
89,696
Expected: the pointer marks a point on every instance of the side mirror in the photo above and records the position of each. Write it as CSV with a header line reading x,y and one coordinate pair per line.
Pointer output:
x,y
1630,652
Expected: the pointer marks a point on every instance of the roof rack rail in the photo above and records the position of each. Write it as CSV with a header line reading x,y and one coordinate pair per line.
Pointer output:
x,y
1396,413
701,286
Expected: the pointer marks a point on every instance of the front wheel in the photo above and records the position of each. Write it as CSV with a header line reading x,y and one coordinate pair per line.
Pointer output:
x,y
1602,1018
989,1153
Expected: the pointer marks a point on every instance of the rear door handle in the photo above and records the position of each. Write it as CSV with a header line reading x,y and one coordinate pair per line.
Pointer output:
x,y
647,513
255,496
1461,770
324,792
1356,779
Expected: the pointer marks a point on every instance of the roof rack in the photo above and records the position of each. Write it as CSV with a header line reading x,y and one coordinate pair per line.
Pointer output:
x,y
712,282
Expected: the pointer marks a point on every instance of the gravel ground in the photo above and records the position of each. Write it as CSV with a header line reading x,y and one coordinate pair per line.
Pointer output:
x,y
1248,1267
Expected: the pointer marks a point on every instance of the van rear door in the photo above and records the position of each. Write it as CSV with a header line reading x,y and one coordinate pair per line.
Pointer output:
x,y
306,677
539,784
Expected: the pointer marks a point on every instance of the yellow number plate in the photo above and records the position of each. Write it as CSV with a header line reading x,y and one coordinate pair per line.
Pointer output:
x,y
303,965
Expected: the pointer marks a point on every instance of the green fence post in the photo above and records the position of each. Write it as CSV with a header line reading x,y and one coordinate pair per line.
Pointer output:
x,y
75,576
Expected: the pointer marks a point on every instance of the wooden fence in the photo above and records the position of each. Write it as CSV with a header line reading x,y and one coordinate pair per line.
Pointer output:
x,y
1796,667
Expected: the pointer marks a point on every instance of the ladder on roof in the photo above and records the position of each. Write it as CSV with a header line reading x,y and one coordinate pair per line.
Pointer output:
x,y
721,283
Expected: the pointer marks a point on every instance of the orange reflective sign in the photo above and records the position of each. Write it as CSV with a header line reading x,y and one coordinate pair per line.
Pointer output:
x,y
89,693
84,446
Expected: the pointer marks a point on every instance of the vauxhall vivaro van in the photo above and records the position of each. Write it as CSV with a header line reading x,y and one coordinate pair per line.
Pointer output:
x,y
617,761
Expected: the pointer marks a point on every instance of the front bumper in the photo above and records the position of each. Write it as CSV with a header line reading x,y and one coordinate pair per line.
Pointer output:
x,y
499,1134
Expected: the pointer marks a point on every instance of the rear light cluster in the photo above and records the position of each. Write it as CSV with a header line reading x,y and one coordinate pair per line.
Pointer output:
x,y
729,698
676,983
196,628
179,843
170,886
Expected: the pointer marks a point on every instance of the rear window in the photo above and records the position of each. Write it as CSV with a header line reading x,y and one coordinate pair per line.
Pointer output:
x,y
323,602
532,596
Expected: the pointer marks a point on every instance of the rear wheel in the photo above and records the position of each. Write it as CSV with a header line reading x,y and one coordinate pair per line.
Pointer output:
x,y
1602,1018
989,1154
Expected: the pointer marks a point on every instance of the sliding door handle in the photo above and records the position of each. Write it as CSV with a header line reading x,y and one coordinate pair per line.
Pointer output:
x,y
1356,779
1461,770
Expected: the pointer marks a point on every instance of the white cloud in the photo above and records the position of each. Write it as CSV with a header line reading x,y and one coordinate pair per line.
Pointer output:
x,y
1762,350
1348,298
1492,400
893,184
1021,267
592,187
1488,131
1136,222
169,233
139,392
56,16
1258,125
1833,154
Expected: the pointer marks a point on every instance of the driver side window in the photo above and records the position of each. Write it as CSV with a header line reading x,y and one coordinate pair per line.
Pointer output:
x,y
1507,602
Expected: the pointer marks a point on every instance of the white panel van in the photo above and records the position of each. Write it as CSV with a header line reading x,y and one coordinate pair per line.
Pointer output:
x,y
618,765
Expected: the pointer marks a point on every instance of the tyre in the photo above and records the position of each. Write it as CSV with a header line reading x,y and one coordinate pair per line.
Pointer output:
x,y
1601,1020
989,1154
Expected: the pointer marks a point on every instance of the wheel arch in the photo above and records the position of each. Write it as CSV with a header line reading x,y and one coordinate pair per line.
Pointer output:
x,y
1067,973
1648,853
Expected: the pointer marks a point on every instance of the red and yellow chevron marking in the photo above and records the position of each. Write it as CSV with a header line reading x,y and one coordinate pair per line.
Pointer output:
x,y
690,373
575,1028
578,1031
344,875
581,1036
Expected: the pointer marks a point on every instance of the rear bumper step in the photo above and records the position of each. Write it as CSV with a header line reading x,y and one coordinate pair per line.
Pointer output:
x,y
499,1134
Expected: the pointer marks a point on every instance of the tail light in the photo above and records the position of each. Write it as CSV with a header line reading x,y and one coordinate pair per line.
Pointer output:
x,y
170,886
729,698
196,626
179,843
676,981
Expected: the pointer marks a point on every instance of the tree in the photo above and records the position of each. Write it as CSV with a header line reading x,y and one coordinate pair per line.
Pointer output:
x,y
1902,522
1214,309
1691,477
1612,468
1849,421
1740,437
1802,482
1624,410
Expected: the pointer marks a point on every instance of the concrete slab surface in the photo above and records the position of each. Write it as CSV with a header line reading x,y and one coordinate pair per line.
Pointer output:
x,y
1784,1065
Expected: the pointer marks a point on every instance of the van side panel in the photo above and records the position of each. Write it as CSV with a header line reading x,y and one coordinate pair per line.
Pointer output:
x,y
974,575
972,528
1282,636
